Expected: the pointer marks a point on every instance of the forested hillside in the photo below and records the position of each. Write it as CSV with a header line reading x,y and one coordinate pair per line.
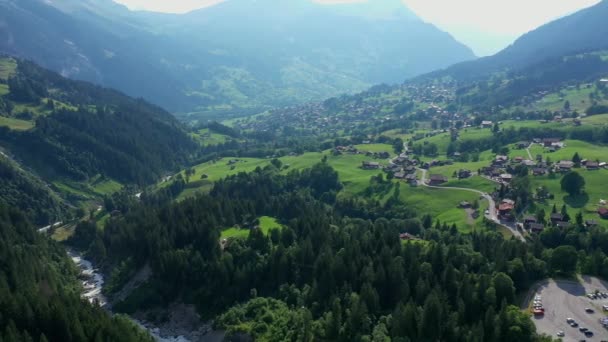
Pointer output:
x,y
79,130
332,277
22,190
39,292
223,60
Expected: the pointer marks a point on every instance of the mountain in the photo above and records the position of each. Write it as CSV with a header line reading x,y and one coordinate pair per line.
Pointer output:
x,y
39,298
224,60
583,31
64,129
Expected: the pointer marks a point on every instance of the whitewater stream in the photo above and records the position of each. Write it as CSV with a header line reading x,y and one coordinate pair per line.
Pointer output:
x,y
93,283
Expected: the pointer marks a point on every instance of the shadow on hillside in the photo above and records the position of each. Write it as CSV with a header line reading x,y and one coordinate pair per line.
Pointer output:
x,y
578,201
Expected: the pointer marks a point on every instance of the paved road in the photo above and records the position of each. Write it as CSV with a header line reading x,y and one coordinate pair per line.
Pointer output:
x,y
567,299
492,215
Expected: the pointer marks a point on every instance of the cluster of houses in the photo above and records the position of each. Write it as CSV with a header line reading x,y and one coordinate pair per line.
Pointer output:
x,y
401,167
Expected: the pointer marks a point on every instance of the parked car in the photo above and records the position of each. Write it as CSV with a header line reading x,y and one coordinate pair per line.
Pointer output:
x,y
560,334
589,310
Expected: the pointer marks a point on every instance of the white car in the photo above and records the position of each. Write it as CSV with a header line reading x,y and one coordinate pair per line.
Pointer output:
x,y
561,334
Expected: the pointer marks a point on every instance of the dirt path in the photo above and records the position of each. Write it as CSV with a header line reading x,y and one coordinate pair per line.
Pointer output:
x,y
492,213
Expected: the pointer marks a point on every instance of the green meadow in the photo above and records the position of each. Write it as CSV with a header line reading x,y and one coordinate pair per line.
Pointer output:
x,y
16,124
266,224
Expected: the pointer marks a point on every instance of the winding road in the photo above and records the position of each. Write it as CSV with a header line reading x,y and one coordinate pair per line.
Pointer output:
x,y
492,214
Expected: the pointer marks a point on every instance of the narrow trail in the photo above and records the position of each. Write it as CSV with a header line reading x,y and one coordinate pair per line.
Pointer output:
x,y
492,215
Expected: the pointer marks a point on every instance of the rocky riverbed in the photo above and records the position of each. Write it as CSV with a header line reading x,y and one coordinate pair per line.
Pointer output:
x,y
183,324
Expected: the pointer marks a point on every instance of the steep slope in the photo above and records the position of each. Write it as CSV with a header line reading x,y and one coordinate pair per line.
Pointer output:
x,y
583,31
81,130
22,190
39,298
222,59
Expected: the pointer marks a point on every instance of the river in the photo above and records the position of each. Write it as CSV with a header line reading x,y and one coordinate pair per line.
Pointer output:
x,y
93,282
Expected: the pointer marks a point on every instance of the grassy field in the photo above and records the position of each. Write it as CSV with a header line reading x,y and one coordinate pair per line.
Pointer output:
x,y
266,224
596,120
16,124
4,89
95,188
584,149
441,204
208,138
475,182
578,98
7,67
595,190
376,148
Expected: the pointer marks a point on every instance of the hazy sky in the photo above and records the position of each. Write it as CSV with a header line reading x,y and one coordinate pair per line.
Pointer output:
x,y
487,26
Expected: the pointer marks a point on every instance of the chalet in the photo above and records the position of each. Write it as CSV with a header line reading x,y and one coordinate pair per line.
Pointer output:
x,y
518,160
577,122
500,160
411,178
522,145
407,237
383,155
496,173
565,166
562,224
557,217
399,175
536,227
392,168
367,165
464,173
410,169
529,163
437,179
603,212
401,160
539,171
528,220
486,124
506,177
549,142
591,223
506,207
592,166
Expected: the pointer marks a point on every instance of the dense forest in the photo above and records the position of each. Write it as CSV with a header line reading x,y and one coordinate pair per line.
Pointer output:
x,y
39,293
91,130
21,190
324,276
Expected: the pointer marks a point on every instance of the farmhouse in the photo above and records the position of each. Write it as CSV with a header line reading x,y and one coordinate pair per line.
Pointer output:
x,y
562,224
437,179
536,227
549,142
528,163
506,177
557,217
486,124
464,173
522,145
539,171
500,159
592,166
591,223
367,165
399,175
565,166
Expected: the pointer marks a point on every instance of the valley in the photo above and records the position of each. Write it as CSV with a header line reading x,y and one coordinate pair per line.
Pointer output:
x,y
281,195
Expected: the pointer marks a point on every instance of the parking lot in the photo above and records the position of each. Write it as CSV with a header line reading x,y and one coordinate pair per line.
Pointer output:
x,y
565,299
